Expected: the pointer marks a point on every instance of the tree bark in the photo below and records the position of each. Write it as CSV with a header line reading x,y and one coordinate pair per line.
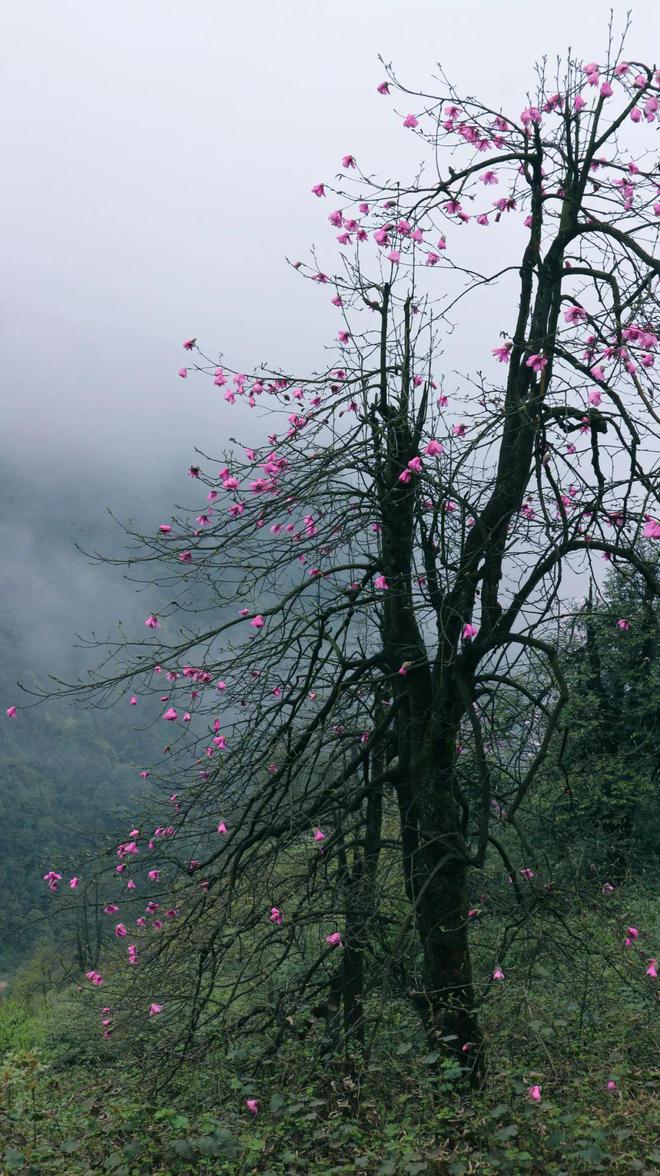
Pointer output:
x,y
360,908
441,906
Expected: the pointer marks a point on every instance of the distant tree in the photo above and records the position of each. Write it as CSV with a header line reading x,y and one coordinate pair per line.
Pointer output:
x,y
612,749
389,559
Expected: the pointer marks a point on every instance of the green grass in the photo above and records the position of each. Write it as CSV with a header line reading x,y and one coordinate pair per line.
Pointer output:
x,y
575,1011
78,1114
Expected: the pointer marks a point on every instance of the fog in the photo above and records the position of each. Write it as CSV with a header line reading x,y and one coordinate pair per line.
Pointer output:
x,y
158,163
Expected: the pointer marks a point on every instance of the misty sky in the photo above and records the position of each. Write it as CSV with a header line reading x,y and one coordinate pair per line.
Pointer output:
x,y
158,159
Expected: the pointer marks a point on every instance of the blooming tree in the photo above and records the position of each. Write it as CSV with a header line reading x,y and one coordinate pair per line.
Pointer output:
x,y
358,588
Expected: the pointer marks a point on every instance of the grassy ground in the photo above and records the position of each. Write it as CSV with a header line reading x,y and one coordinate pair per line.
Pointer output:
x,y
575,1014
73,1104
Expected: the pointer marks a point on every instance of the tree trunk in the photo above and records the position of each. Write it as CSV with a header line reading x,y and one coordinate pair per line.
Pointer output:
x,y
441,907
360,907
449,1015
353,987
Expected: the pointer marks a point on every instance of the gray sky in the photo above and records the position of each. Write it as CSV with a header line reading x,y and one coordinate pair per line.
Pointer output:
x,y
158,157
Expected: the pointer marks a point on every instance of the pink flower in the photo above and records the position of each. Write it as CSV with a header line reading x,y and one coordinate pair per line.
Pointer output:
x,y
503,353
536,362
633,932
622,623
222,828
133,701
531,114
189,344
606,90
534,1093
11,712
527,873
415,464
434,448
469,631
652,969
348,161
120,931
319,835
183,372
334,939
459,430
257,622
155,1009
394,256
152,622
318,190
383,88
252,1105
276,916
170,715
489,177
595,398
73,882
498,974
574,315
381,582
611,1085
95,978
651,530
579,103
410,121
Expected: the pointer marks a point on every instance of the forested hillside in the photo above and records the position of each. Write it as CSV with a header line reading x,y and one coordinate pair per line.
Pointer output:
x,y
66,772
65,778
